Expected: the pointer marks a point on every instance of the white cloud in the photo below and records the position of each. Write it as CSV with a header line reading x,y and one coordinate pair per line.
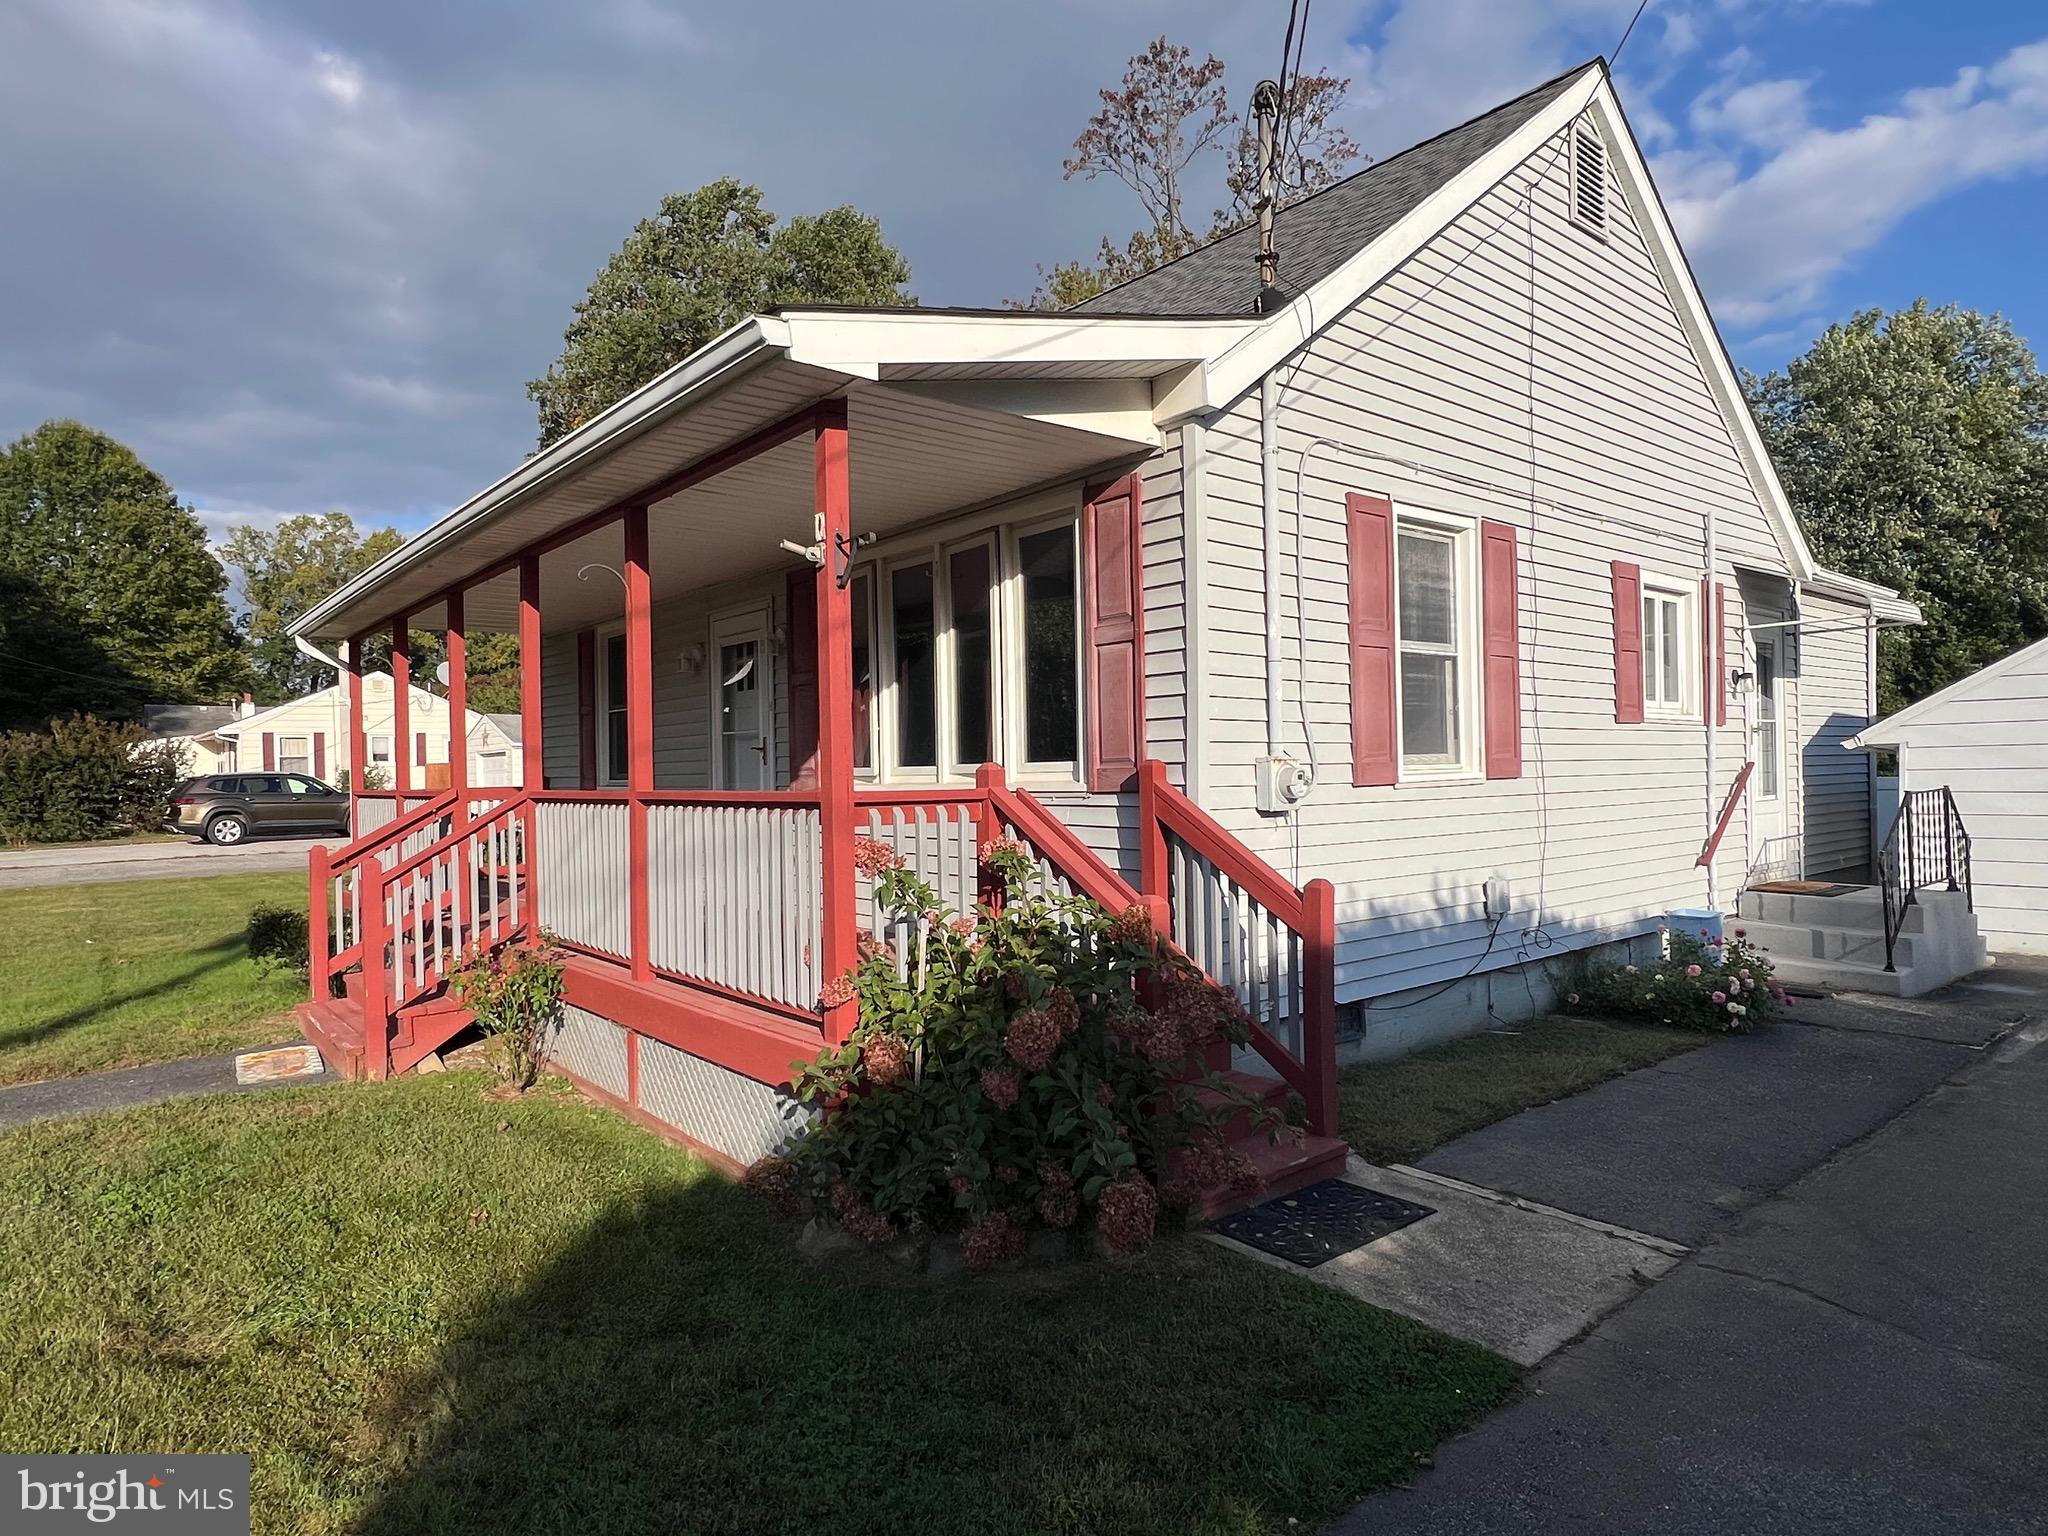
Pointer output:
x,y
1767,241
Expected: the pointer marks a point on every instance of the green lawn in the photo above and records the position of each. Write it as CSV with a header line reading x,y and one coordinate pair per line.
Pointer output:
x,y
1395,1111
110,975
425,1312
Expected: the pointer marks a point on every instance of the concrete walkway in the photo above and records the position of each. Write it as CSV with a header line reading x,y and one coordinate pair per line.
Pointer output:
x,y
183,859
1858,1341
130,1087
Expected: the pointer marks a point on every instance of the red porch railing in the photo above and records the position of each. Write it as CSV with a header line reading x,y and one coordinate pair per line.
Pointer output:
x,y
732,887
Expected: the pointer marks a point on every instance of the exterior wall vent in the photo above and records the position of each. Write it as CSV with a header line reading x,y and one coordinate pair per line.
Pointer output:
x,y
1589,178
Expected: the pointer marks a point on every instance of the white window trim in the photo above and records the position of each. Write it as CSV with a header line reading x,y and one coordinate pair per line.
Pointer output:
x,y
609,774
1686,706
759,617
380,756
304,756
1464,535
1002,526
1776,793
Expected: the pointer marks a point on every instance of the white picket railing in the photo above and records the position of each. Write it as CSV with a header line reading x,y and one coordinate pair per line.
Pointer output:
x,y
584,867
467,890
735,896
1244,947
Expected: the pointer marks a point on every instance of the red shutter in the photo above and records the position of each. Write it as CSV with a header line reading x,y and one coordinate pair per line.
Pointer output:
x,y
269,753
1721,653
320,755
419,748
1628,643
586,709
1369,523
802,652
1112,589
1500,621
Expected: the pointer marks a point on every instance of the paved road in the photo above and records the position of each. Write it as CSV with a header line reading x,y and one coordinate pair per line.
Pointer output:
x,y
151,861
1858,1344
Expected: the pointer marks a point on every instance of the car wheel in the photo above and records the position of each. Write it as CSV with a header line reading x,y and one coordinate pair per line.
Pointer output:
x,y
226,831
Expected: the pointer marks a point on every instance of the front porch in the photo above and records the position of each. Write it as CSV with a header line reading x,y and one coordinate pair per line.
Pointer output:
x,y
709,725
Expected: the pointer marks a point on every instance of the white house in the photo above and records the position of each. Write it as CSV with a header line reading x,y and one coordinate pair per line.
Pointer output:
x,y
195,731
1394,631
310,735
1985,740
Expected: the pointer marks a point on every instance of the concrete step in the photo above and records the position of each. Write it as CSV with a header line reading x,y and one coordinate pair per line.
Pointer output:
x,y
1855,946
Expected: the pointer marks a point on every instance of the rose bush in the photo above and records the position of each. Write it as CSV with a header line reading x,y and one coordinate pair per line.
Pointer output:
x,y
1720,985
1038,1064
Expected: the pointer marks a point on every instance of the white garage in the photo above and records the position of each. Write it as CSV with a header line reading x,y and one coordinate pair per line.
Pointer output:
x,y
1986,739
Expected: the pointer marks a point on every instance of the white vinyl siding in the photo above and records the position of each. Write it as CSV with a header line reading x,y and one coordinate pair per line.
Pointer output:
x,y
1990,747
1832,693
1599,835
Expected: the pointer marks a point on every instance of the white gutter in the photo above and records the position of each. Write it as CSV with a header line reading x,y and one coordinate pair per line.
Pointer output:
x,y
738,348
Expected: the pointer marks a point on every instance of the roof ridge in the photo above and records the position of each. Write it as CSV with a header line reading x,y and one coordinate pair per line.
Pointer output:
x,y
1598,60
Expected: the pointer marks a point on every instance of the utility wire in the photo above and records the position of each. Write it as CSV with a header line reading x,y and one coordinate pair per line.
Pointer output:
x,y
1643,6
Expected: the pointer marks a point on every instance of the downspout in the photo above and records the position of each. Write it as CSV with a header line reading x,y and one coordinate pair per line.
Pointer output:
x,y
1708,635
1269,515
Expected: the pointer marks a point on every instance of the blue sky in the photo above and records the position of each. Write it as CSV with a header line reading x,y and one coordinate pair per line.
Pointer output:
x,y
306,255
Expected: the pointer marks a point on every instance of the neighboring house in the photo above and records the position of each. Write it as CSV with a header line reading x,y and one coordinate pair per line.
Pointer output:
x,y
310,735
1390,634
1985,740
195,730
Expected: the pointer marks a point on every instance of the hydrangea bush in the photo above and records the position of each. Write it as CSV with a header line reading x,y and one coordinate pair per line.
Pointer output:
x,y
1720,985
1035,1064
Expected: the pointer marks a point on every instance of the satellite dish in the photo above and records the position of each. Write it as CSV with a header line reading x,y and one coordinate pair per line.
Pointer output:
x,y
441,674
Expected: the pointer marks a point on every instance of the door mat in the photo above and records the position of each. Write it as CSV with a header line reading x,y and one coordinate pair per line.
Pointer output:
x,y
1316,1224
273,1066
1802,887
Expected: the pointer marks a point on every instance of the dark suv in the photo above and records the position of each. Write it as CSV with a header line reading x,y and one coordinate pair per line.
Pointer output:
x,y
229,808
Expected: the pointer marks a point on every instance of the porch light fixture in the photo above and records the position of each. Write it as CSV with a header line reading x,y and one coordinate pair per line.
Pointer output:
x,y
693,659
1742,682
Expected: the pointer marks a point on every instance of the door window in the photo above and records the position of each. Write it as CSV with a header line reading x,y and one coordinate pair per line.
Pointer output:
x,y
742,736
1768,731
615,731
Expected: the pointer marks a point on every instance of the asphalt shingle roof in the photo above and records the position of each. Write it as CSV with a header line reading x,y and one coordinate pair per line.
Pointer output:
x,y
185,719
1320,233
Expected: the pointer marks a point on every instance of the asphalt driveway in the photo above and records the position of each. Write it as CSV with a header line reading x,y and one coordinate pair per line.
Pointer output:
x,y
1859,1340
152,861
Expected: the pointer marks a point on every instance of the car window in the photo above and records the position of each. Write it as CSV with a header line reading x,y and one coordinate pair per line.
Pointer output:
x,y
299,786
262,786
225,786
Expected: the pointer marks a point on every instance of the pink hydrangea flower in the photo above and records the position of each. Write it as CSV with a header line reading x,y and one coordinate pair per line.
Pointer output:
x,y
1720,997
1692,970
875,858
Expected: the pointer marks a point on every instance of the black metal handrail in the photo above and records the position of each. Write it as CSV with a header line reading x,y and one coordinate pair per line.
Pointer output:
x,y
1927,845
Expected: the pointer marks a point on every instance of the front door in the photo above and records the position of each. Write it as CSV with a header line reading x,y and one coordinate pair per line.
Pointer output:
x,y
742,704
1767,749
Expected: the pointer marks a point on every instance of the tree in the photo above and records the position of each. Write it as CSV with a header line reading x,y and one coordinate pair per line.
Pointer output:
x,y
112,598
285,571
1156,133
1914,447
703,263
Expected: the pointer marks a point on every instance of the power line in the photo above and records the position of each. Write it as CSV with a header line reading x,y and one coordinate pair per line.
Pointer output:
x,y
1641,7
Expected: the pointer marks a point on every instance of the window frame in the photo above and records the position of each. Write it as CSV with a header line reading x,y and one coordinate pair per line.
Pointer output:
x,y
747,621
1462,533
609,775
1685,602
378,757
1770,786
304,756
1000,528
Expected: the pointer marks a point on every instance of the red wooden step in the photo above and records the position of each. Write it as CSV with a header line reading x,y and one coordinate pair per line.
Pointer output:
x,y
1284,1166
335,1030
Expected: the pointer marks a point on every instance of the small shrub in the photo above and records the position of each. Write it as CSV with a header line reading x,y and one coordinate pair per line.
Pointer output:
x,y
1709,984
373,778
83,778
1036,1064
278,938
515,993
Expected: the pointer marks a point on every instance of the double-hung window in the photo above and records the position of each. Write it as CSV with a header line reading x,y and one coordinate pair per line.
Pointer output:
x,y
612,702
967,650
1435,636
293,755
1667,676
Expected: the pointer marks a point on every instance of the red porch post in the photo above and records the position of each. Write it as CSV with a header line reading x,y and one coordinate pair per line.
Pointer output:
x,y
458,705
358,750
833,500
639,732
401,704
1319,1003
530,771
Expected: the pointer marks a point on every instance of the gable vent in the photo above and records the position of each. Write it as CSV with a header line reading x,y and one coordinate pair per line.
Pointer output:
x,y
1589,178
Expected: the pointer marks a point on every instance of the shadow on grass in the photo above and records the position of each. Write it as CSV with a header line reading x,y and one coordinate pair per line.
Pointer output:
x,y
213,957
679,1368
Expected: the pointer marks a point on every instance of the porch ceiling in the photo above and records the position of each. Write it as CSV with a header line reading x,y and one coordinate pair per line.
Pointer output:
x,y
913,456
